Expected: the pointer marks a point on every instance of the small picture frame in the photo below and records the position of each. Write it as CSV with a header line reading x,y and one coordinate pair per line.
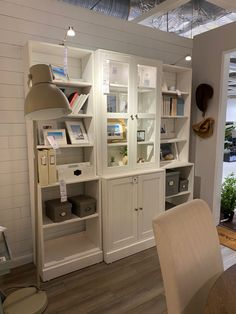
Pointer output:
x,y
141,135
59,73
59,136
45,125
76,131
116,131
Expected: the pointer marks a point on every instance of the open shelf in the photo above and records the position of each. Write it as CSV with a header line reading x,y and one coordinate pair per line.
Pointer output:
x,y
173,140
48,223
66,248
66,146
72,83
82,179
178,194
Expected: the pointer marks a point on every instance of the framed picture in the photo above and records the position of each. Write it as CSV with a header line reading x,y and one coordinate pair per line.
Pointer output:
x,y
141,135
76,132
45,125
123,102
116,130
59,73
58,135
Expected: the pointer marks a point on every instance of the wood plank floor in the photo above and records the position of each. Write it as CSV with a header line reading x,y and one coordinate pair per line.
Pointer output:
x,y
131,285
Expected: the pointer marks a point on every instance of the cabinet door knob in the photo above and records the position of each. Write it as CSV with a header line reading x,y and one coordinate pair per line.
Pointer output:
x,y
132,117
136,209
136,116
140,208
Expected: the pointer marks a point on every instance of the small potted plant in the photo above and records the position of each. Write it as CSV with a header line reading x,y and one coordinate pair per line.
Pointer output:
x,y
228,197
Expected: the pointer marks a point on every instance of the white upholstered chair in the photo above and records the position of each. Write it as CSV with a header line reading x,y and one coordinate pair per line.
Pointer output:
x,y
189,254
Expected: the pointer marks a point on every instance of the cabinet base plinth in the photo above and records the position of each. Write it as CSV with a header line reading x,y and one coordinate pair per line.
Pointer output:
x,y
114,255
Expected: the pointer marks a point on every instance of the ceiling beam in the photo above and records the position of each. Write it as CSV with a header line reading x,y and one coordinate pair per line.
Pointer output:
x,y
160,9
229,5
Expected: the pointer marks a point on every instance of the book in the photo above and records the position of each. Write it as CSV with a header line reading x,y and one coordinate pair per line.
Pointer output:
x,y
72,99
43,167
52,171
79,103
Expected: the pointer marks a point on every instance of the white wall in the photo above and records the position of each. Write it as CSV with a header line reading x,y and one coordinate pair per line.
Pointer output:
x,y
23,20
208,67
231,110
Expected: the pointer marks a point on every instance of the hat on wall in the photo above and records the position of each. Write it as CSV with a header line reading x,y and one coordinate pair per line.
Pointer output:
x,y
203,93
204,128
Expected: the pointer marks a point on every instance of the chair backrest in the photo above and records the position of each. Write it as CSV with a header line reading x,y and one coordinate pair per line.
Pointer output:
x,y
189,254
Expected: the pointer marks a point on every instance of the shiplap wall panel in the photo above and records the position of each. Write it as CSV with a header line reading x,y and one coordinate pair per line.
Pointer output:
x,y
24,20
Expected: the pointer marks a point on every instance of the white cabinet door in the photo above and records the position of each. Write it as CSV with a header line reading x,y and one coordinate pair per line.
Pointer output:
x,y
122,211
150,202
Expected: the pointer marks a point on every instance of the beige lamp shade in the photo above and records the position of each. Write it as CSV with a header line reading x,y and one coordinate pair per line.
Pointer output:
x,y
45,100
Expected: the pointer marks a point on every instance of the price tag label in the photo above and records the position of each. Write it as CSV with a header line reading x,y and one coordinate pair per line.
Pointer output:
x,y
52,142
62,184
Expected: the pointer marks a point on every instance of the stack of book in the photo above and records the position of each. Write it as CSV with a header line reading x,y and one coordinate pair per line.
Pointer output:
x,y
172,106
77,101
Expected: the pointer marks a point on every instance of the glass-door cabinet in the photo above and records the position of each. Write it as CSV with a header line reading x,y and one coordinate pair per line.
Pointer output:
x,y
128,103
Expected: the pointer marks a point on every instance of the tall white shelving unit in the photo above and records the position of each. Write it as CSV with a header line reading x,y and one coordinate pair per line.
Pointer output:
x,y
74,243
175,122
128,103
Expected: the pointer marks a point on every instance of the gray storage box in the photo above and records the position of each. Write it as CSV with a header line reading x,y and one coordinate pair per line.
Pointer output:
x,y
83,205
172,183
58,211
169,205
183,185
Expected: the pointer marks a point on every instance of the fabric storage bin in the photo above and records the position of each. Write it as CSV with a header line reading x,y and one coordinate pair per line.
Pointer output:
x,y
83,205
172,183
183,185
58,211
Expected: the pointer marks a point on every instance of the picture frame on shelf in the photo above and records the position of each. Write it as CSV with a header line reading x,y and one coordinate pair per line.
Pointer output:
x,y
59,73
77,132
45,125
141,135
116,131
58,135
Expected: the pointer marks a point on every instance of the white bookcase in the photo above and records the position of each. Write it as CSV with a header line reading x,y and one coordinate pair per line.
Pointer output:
x,y
175,127
74,243
128,119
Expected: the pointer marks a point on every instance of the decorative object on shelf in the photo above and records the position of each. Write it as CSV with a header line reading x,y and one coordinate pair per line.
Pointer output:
x,y
228,197
124,153
140,160
113,162
45,125
58,135
141,135
167,152
58,211
204,128
204,92
59,73
116,130
77,132
83,205
45,100
74,171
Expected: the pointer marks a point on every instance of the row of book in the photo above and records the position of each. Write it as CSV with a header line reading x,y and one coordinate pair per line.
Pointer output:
x,y
172,106
47,172
77,101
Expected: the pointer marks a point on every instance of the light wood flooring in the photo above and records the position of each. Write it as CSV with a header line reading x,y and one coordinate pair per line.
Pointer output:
x,y
131,285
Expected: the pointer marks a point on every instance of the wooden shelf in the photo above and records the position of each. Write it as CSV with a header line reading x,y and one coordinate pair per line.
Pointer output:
x,y
66,146
117,144
68,247
175,164
174,117
174,92
145,143
178,194
81,180
119,87
173,140
80,115
143,89
48,223
72,83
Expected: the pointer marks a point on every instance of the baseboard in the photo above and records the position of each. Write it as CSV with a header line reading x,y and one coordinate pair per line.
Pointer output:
x,y
22,260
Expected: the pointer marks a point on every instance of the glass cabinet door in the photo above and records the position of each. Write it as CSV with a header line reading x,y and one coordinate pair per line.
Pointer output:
x,y
146,114
117,109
